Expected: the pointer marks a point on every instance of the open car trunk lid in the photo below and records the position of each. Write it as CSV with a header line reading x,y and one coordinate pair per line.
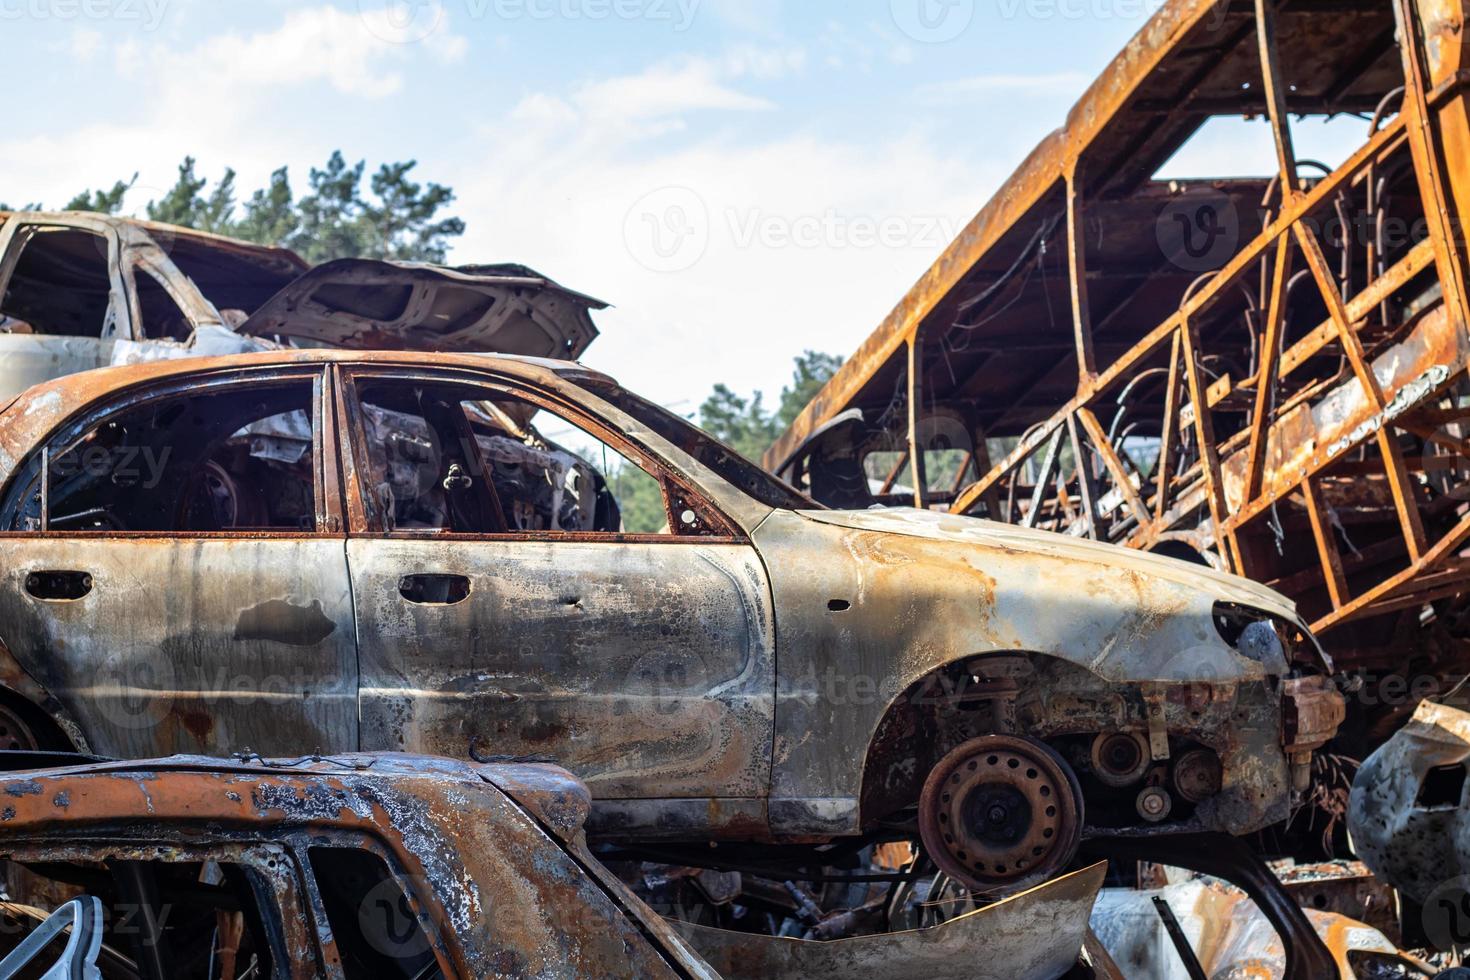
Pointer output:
x,y
371,304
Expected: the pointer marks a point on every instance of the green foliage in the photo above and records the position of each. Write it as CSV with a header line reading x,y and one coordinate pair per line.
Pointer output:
x,y
744,423
400,219
741,423
106,202
187,205
639,497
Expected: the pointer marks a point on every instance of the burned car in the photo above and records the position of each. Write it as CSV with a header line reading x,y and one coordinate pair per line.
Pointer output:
x,y
350,866
441,553
81,291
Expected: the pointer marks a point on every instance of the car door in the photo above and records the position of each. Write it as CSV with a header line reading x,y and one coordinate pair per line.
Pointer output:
x,y
178,581
505,606
63,302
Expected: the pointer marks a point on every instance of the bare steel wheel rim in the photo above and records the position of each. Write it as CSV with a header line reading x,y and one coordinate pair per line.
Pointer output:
x,y
15,734
1001,813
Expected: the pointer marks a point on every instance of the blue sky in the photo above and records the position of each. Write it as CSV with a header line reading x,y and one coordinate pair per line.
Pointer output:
x,y
743,179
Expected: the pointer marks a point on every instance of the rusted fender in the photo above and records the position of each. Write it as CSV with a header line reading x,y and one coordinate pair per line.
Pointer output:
x,y
1036,935
1414,843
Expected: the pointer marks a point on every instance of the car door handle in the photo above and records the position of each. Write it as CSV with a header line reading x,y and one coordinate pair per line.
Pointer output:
x,y
434,590
66,586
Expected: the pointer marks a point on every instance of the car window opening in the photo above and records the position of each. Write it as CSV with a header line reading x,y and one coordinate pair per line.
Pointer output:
x,y
236,460
61,286
162,318
200,919
430,450
378,932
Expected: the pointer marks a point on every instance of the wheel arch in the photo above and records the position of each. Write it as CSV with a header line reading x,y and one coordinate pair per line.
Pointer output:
x,y
925,721
49,719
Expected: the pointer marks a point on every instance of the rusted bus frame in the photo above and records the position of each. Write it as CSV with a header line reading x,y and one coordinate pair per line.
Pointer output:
x,y
1290,213
1179,330
1042,172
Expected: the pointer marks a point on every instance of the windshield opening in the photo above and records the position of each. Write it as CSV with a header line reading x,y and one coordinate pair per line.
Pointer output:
x,y
730,465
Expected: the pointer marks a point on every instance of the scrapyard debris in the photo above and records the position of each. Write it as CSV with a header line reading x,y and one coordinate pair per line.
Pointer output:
x,y
1231,937
377,529
1267,374
348,866
1035,935
1410,819
81,291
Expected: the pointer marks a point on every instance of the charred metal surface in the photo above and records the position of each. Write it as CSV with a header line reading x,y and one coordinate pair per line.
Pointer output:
x,y
491,856
1036,935
1408,813
1230,934
1303,951
1260,373
80,291
763,670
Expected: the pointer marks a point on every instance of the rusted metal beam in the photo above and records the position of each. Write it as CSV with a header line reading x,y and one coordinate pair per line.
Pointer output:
x,y
1077,277
915,416
1275,88
1266,379
1322,532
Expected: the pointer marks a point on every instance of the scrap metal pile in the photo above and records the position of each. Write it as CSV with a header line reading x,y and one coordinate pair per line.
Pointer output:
x,y
320,510
1266,374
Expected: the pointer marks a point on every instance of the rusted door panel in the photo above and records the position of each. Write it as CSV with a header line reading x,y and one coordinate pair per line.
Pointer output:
x,y
190,645
645,668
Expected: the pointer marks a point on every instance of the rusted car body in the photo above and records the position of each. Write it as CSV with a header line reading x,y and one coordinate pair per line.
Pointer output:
x,y
1410,815
1263,373
181,569
345,866
1231,938
81,291
1036,935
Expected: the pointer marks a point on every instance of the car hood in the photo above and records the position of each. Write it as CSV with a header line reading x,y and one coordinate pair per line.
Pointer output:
x,y
972,530
370,304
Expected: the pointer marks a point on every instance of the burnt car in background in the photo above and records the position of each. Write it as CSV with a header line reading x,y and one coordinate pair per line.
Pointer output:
x,y
233,553
81,291
350,866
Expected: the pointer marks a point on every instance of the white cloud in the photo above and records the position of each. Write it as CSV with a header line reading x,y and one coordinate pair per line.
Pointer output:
x,y
805,242
658,99
85,44
218,99
320,44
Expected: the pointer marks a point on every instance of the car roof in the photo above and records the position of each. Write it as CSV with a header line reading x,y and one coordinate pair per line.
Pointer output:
x,y
271,256
38,410
554,796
